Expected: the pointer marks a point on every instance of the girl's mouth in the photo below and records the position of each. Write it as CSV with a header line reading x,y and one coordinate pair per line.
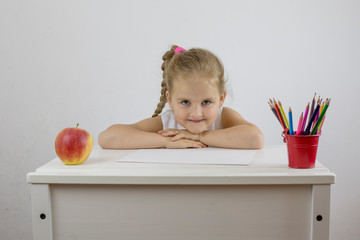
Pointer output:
x,y
196,121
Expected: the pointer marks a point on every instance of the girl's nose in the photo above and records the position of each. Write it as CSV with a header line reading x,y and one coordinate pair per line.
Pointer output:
x,y
196,111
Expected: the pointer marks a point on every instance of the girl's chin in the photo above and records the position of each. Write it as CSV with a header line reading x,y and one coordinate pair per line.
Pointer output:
x,y
196,130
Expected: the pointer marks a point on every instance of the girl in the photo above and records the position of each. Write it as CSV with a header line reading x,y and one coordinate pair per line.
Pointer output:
x,y
193,86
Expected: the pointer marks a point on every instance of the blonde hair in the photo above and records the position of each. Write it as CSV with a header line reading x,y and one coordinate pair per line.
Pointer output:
x,y
178,66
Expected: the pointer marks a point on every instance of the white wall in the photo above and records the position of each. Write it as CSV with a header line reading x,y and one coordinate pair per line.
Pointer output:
x,y
98,62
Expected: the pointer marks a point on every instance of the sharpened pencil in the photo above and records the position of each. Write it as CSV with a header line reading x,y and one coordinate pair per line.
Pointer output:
x,y
317,115
279,114
327,103
291,122
304,119
283,114
307,130
322,123
312,105
310,121
298,131
274,110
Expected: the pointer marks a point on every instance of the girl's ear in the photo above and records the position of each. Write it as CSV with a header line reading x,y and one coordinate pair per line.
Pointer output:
x,y
169,99
222,99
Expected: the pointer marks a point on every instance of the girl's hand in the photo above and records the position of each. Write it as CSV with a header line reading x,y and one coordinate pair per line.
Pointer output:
x,y
181,139
177,134
184,143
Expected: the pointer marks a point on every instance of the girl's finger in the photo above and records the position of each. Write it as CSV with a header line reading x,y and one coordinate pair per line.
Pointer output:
x,y
177,137
169,132
195,144
202,145
163,131
192,144
165,134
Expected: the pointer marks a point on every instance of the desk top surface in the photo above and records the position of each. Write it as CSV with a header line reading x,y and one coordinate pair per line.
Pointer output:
x,y
269,166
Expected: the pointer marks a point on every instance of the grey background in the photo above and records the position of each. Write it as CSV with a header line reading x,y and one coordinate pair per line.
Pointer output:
x,y
98,63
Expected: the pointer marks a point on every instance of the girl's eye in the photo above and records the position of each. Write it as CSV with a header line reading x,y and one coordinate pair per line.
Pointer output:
x,y
206,102
185,102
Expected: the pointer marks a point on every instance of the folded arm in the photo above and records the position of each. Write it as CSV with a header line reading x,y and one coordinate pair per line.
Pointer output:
x,y
236,133
143,134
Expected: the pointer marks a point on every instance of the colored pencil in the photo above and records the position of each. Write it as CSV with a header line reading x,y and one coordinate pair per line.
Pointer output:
x,y
298,131
322,107
291,122
312,105
279,114
305,119
327,103
283,114
322,123
310,121
316,119
307,130
274,110
317,115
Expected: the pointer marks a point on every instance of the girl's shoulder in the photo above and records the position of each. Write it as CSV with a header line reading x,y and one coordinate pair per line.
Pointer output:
x,y
231,118
153,124
228,112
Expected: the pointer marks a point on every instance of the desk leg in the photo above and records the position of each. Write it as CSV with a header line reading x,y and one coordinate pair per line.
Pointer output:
x,y
41,211
320,212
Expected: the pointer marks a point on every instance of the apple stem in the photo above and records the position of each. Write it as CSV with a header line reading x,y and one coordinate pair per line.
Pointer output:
x,y
77,125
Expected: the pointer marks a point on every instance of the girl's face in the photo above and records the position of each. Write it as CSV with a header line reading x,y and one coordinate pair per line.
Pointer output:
x,y
195,102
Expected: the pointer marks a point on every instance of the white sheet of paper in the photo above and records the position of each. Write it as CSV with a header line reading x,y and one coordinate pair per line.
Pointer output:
x,y
192,156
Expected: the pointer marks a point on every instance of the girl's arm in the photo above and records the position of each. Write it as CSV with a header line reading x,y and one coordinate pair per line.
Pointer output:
x,y
141,135
236,133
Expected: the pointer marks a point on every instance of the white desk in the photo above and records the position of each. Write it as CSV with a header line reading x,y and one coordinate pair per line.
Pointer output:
x,y
104,199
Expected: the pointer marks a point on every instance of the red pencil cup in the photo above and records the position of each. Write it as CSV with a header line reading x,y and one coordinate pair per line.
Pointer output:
x,y
301,150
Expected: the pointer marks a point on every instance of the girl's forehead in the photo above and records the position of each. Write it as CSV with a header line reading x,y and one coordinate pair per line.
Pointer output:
x,y
195,89
195,80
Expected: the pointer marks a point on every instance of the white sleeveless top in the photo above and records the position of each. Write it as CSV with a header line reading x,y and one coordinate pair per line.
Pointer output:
x,y
169,122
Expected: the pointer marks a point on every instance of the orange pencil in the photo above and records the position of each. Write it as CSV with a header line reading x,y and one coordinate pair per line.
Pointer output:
x,y
322,107
280,117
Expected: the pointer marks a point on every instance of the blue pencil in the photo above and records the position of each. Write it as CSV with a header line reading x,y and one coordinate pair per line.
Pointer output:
x,y
291,122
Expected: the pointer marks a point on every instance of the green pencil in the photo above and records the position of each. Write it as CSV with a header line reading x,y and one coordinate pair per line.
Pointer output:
x,y
318,122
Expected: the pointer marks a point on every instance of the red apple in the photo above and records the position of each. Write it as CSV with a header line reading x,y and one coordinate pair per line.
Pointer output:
x,y
73,145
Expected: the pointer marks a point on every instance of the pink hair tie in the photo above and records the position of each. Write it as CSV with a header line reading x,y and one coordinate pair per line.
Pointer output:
x,y
179,50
